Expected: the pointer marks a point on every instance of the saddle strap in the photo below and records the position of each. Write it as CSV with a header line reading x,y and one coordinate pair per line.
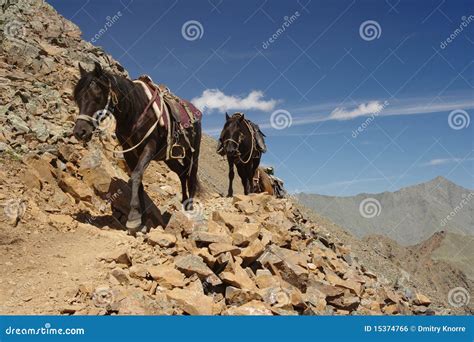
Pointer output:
x,y
150,130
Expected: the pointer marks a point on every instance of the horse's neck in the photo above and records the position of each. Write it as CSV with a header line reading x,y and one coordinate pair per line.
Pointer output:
x,y
130,103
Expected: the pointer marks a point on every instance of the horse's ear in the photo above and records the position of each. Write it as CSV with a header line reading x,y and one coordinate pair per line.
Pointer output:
x,y
82,70
241,118
98,69
227,117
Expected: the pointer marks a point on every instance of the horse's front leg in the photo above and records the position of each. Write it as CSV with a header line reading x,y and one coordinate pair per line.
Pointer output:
x,y
230,191
134,220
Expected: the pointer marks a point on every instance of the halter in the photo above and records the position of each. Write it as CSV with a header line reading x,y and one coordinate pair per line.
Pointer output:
x,y
238,144
110,94
112,97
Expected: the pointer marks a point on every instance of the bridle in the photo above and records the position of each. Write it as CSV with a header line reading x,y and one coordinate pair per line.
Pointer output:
x,y
111,98
240,140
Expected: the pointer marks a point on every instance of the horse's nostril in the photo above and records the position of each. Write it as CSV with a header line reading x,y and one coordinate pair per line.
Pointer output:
x,y
79,134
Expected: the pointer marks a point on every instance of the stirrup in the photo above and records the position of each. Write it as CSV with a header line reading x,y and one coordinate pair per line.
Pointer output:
x,y
177,156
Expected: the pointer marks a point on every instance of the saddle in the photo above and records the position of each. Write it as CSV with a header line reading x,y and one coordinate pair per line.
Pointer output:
x,y
183,112
175,114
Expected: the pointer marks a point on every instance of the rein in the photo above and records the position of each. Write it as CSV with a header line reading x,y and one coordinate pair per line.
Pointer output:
x,y
238,143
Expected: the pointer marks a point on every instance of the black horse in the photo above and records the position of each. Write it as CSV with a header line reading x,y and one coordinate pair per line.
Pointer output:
x,y
242,142
99,91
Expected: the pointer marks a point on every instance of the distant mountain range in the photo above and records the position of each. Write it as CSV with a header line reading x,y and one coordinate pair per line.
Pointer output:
x,y
408,216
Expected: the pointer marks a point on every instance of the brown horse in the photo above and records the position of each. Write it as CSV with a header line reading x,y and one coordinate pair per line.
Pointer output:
x,y
262,182
238,143
99,91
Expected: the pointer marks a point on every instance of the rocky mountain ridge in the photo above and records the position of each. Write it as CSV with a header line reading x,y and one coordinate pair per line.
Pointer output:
x,y
409,215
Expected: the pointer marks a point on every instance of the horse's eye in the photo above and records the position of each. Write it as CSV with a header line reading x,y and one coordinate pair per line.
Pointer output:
x,y
95,87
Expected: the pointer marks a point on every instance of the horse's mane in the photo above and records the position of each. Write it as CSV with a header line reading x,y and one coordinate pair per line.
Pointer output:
x,y
131,98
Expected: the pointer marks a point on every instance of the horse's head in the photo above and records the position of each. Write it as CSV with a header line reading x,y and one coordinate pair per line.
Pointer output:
x,y
232,134
93,96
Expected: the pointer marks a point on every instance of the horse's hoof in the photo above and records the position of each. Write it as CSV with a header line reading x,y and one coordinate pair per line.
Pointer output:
x,y
134,224
140,230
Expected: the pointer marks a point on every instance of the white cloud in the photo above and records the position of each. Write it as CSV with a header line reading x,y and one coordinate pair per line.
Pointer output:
x,y
443,161
395,107
369,108
214,99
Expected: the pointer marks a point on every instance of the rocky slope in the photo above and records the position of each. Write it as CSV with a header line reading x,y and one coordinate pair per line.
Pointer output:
x,y
408,216
62,242
427,267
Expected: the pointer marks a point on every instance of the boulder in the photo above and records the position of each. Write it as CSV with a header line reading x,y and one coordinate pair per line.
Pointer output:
x,y
179,223
246,233
252,308
218,248
120,276
162,239
192,302
167,276
238,277
252,252
193,264
421,299
207,237
120,256
231,220
75,188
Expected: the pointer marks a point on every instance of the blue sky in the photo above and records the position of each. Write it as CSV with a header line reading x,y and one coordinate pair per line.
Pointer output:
x,y
378,99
